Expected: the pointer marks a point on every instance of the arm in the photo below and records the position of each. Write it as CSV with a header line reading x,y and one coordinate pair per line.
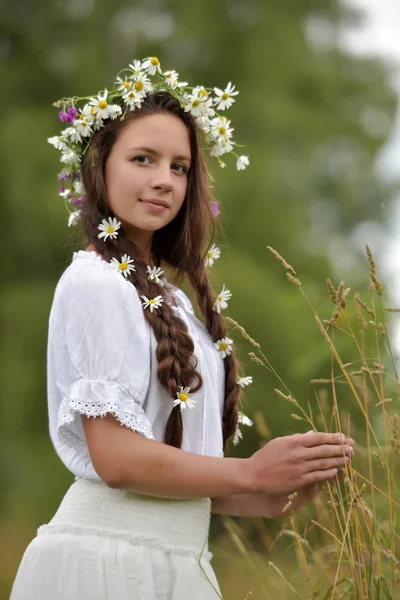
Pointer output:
x,y
126,460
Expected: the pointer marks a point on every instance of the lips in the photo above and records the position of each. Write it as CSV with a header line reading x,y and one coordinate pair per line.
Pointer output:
x,y
156,202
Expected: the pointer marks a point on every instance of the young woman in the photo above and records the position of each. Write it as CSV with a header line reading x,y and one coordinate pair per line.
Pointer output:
x,y
125,345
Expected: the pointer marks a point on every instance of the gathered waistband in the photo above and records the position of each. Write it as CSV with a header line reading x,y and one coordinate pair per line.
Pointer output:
x,y
91,507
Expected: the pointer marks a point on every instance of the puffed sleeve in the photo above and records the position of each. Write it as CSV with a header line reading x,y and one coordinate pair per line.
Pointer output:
x,y
108,349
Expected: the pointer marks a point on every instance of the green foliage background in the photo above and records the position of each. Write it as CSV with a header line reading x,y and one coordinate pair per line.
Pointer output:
x,y
302,113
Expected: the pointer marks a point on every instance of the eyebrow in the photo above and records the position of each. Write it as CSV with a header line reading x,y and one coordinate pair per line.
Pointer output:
x,y
152,151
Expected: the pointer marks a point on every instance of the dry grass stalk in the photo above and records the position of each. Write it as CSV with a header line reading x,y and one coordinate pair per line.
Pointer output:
x,y
331,290
364,306
372,273
282,260
257,360
393,309
287,397
293,279
242,331
291,497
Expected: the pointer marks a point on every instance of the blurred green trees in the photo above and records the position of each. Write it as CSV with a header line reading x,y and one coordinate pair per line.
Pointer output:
x,y
312,119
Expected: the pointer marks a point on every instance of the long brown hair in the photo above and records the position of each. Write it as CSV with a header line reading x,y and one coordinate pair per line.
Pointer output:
x,y
182,244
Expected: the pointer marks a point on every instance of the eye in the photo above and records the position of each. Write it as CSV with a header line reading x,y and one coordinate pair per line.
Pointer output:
x,y
181,168
141,159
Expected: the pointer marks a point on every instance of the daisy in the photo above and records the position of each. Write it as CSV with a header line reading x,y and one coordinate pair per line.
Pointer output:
x,y
153,303
152,65
222,298
213,253
154,274
102,109
183,399
136,67
242,163
125,267
83,127
224,98
124,85
243,420
109,228
73,134
224,346
220,149
243,381
220,130
171,79
142,85
58,142
74,217
198,107
70,157
238,435
133,99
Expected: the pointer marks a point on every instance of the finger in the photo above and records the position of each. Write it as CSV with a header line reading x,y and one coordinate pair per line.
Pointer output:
x,y
315,476
337,477
320,464
329,450
319,438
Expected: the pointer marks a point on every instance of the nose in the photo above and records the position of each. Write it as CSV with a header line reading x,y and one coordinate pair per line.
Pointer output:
x,y
162,178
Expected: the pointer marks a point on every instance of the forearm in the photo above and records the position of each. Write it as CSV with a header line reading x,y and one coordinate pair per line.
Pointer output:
x,y
240,505
152,468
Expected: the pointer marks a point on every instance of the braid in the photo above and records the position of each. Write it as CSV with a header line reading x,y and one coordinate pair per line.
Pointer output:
x,y
216,326
176,362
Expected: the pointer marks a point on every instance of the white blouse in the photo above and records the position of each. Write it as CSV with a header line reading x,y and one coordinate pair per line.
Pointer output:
x,y
101,358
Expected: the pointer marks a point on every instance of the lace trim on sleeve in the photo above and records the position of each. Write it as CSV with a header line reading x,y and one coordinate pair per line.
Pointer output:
x,y
96,404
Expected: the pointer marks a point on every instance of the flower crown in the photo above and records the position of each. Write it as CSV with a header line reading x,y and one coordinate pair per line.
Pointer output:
x,y
132,85
139,80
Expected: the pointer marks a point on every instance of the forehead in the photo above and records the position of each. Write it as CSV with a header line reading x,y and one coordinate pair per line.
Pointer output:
x,y
163,132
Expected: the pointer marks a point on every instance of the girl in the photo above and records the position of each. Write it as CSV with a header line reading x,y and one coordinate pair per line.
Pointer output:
x,y
125,345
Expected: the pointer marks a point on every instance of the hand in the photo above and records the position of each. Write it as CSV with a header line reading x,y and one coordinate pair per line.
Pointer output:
x,y
290,463
272,506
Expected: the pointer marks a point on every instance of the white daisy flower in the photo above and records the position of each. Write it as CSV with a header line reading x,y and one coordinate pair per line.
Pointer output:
x,y
154,274
242,163
79,188
224,346
213,253
171,79
73,134
224,98
244,381
222,299
152,65
136,67
58,142
220,149
125,267
109,228
243,420
83,127
204,123
220,130
153,303
124,85
183,399
198,107
70,157
133,99
102,109
88,114
142,85
74,217
238,435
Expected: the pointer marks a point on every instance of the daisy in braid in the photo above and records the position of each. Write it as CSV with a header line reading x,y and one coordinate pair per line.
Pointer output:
x,y
143,397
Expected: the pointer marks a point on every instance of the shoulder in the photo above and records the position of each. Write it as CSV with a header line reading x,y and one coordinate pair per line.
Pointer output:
x,y
90,278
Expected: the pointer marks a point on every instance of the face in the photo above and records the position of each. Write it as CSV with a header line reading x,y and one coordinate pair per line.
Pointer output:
x,y
149,161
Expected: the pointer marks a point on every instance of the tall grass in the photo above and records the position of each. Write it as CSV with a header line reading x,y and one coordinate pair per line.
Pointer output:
x,y
346,545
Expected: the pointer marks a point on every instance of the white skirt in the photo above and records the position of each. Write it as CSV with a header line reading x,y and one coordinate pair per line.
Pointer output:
x,y
109,544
